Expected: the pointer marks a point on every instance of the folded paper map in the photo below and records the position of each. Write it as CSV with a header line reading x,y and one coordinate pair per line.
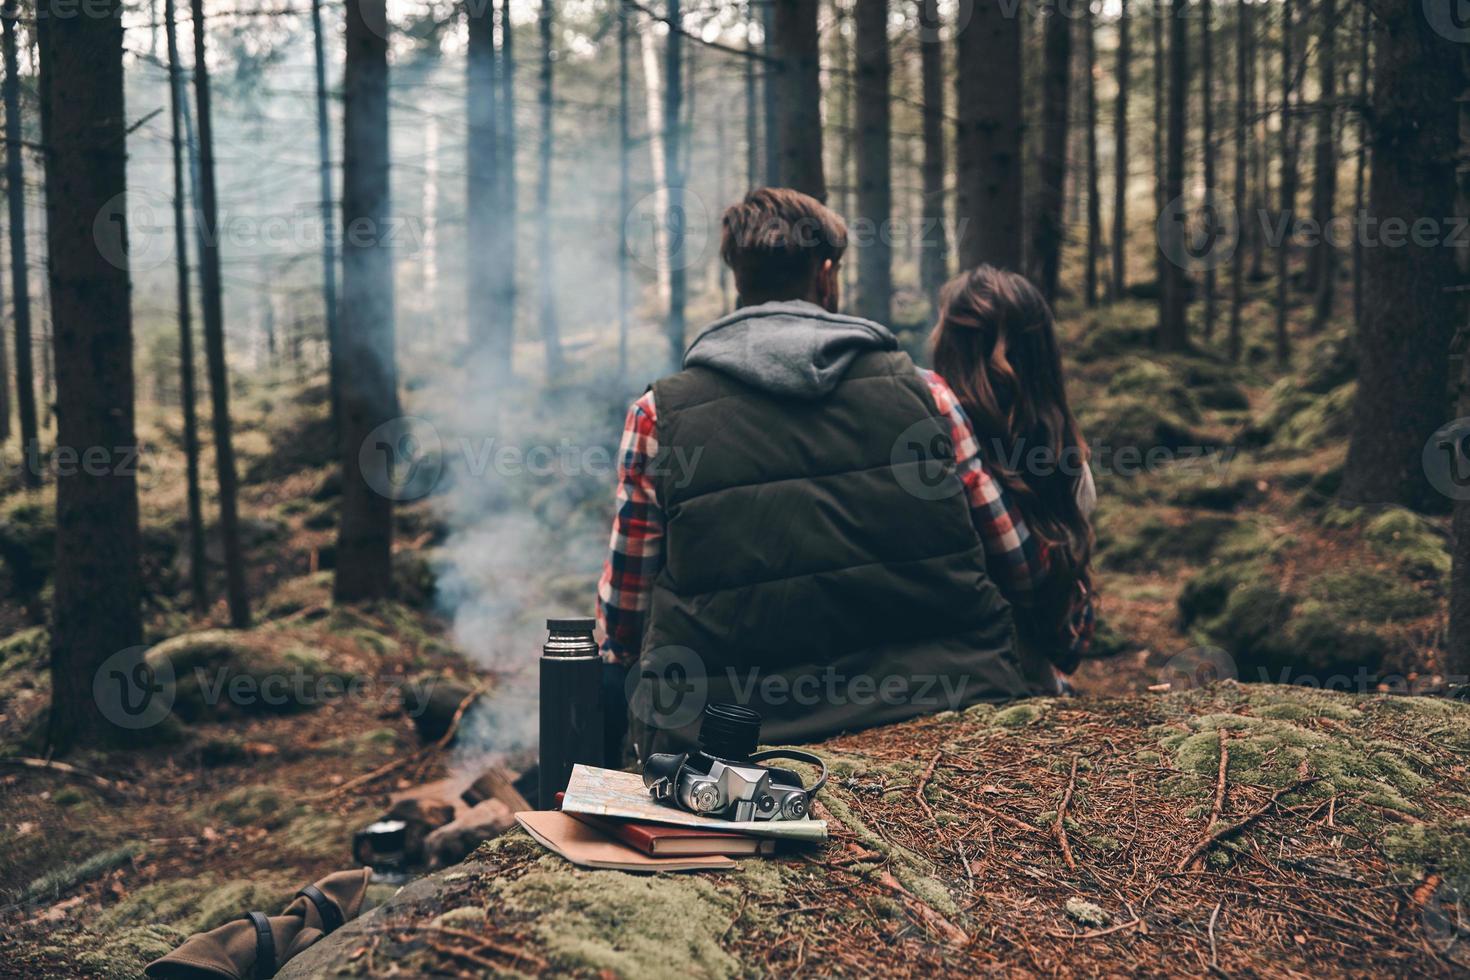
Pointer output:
x,y
611,793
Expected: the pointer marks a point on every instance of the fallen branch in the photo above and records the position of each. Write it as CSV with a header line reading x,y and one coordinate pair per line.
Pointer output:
x,y
1230,830
952,932
923,784
69,771
1059,826
1220,785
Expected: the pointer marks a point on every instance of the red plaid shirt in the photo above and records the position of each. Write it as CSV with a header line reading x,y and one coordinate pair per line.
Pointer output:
x,y
1016,561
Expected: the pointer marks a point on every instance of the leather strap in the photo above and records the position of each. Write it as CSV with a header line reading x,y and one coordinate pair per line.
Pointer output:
x,y
265,946
325,907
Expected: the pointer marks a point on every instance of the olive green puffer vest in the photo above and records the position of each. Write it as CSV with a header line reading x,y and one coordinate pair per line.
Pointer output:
x,y
820,564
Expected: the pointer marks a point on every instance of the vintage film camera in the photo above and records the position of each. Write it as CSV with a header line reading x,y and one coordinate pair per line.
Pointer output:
x,y
723,779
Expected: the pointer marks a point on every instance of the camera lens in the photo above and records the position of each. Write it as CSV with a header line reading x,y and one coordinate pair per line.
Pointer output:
x,y
729,731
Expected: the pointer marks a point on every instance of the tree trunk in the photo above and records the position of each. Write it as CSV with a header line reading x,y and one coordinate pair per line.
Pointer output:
x,y
1457,640
214,335
1360,179
988,161
874,159
1408,318
1287,217
800,96
1207,141
1160,21
771,92
752,102
1094,197
506,237
675,161
198,582
329,207
1046,239
1120,156
25,384
934,261
1322,272
369,370
95,607
489,330
1260,89
625,179
1242,122
550,330
1173,329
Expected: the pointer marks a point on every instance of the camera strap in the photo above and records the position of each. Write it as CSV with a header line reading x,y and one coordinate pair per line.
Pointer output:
x,y
797,755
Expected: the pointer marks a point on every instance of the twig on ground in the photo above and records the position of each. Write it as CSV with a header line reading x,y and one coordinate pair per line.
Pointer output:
x,y
950,931
1214,955
69,771
1230,830
924,783
1220,786
1095,933
1059,827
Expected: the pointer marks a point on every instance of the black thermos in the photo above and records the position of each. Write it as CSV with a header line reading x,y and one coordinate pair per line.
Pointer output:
x,y
571,705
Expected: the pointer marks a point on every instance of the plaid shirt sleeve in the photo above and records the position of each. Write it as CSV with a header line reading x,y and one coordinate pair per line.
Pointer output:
x,y
636,554
1015,558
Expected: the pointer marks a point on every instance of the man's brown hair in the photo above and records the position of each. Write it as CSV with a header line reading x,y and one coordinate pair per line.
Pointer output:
x,y
776,239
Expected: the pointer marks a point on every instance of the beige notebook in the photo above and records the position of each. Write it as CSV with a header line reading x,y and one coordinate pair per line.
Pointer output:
x,y
589,848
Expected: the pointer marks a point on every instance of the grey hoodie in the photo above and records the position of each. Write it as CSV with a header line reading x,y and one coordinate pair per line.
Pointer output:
x,y
794,349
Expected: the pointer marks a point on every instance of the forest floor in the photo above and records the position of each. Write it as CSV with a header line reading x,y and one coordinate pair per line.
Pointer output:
x,y
1222,555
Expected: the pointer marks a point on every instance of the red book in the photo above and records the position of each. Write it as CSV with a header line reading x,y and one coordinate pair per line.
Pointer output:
x,y
657,840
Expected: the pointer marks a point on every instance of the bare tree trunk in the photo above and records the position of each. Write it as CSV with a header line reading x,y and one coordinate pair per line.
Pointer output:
x,y
1056,83
95,607
771,92
1260,90
198,581
800,96
1160,21
506,237
988,160
1173,329
675,161
369,369
1287,217
1408,319
874,159
1322,272
489,330
625,180
550,329
934,262
214,336
329,206
1207,142
1094,197
1242,122
1451,441
752,101
1360,181
1120,156
25,389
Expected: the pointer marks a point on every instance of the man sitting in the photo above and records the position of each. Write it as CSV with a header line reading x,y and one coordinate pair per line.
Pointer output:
x,y
804,525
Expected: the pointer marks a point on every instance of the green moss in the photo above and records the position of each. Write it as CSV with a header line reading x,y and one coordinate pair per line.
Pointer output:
x,y
1410,540
1141,377
124,955
1018,715
252,806
172,901
223,673
58,881
1372,597
1442,846
318,835
233,899
628,925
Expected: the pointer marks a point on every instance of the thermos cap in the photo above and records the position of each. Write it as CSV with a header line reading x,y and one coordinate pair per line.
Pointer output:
x,y
571,625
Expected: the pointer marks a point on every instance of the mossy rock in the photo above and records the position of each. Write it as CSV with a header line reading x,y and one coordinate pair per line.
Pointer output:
x,y
1131,422
1371,597
228,673
1149,380
1410,540
1125,544
299,439
27,544
1320,420
296,594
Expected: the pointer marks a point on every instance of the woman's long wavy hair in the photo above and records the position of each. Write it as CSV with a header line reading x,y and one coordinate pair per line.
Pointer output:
x,y
996,347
